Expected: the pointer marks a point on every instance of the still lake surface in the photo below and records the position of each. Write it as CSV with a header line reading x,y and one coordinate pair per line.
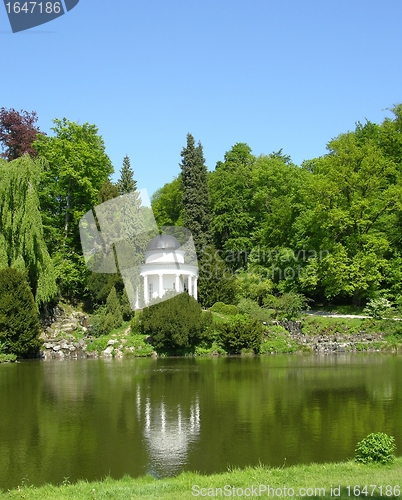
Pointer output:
x,y
91,418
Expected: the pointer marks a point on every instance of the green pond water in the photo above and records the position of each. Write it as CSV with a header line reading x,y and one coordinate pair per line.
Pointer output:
x,y
92,418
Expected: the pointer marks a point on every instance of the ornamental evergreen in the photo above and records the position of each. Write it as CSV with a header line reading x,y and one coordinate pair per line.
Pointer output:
x,y
19,322
126,184
196,204
176,325
113,309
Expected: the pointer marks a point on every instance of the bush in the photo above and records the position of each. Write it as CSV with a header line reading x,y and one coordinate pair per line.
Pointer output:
x,y
288,305
377,308
277,340
19,321
252,309
108,317
5,358
376,447
228,310
240,333
177,324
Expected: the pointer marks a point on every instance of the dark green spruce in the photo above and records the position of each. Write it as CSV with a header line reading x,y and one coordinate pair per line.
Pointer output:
x,y
126,184
196,205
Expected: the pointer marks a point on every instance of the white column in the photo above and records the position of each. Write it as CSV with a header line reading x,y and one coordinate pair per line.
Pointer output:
x,y
160,286
177,283
137,302
190,285
195,287
145,290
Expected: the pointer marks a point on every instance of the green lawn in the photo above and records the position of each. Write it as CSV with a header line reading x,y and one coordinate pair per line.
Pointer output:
x,y
305,481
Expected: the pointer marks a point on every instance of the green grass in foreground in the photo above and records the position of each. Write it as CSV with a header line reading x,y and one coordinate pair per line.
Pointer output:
x,y
316,479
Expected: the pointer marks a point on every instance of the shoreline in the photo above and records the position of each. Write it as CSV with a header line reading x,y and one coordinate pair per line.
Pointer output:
x,y
327,480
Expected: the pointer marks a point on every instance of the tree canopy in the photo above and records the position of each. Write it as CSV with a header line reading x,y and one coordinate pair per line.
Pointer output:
x,y
17,133
22,242
77,167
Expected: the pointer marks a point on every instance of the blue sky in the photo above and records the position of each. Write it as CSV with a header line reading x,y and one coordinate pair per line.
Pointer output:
x,y
271,73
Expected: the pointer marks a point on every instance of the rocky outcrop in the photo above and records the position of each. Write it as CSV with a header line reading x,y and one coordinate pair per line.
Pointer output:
x,y
57,329
60,323
64,348
330,343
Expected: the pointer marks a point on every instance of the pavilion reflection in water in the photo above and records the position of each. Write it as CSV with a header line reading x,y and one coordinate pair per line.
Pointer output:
x,y
168,432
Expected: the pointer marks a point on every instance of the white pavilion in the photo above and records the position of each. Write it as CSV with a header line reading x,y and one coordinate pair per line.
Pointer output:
x,y
165,270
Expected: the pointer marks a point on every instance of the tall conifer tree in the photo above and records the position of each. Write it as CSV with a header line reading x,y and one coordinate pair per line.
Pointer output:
x,y
126,184
196,204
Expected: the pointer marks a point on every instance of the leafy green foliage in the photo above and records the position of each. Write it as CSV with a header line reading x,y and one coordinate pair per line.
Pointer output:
x,y
19,323
22,240
231,192
240,333
99,286
216,281
252,309
77,168
107,192
288,305
277,340
107,317
167,204
176,324
377,308
4,357
226,309
376,447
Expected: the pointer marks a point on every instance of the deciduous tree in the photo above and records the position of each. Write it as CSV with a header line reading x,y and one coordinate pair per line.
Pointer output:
x,y
17,133
22,242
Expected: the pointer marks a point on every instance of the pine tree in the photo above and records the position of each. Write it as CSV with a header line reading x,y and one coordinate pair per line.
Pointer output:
x,y
196,205
126,184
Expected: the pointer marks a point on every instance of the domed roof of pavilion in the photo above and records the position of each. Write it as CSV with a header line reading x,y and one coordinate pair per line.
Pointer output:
x,y
163,242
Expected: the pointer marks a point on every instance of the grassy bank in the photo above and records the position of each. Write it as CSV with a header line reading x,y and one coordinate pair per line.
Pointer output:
x,y
307,481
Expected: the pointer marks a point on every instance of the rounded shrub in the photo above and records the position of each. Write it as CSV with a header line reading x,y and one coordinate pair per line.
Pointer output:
x,y
175,325
377,308
222,308
240,333
376,447
252,309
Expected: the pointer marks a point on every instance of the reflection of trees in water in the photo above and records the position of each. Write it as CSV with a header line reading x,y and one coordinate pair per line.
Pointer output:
x,y
93,418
